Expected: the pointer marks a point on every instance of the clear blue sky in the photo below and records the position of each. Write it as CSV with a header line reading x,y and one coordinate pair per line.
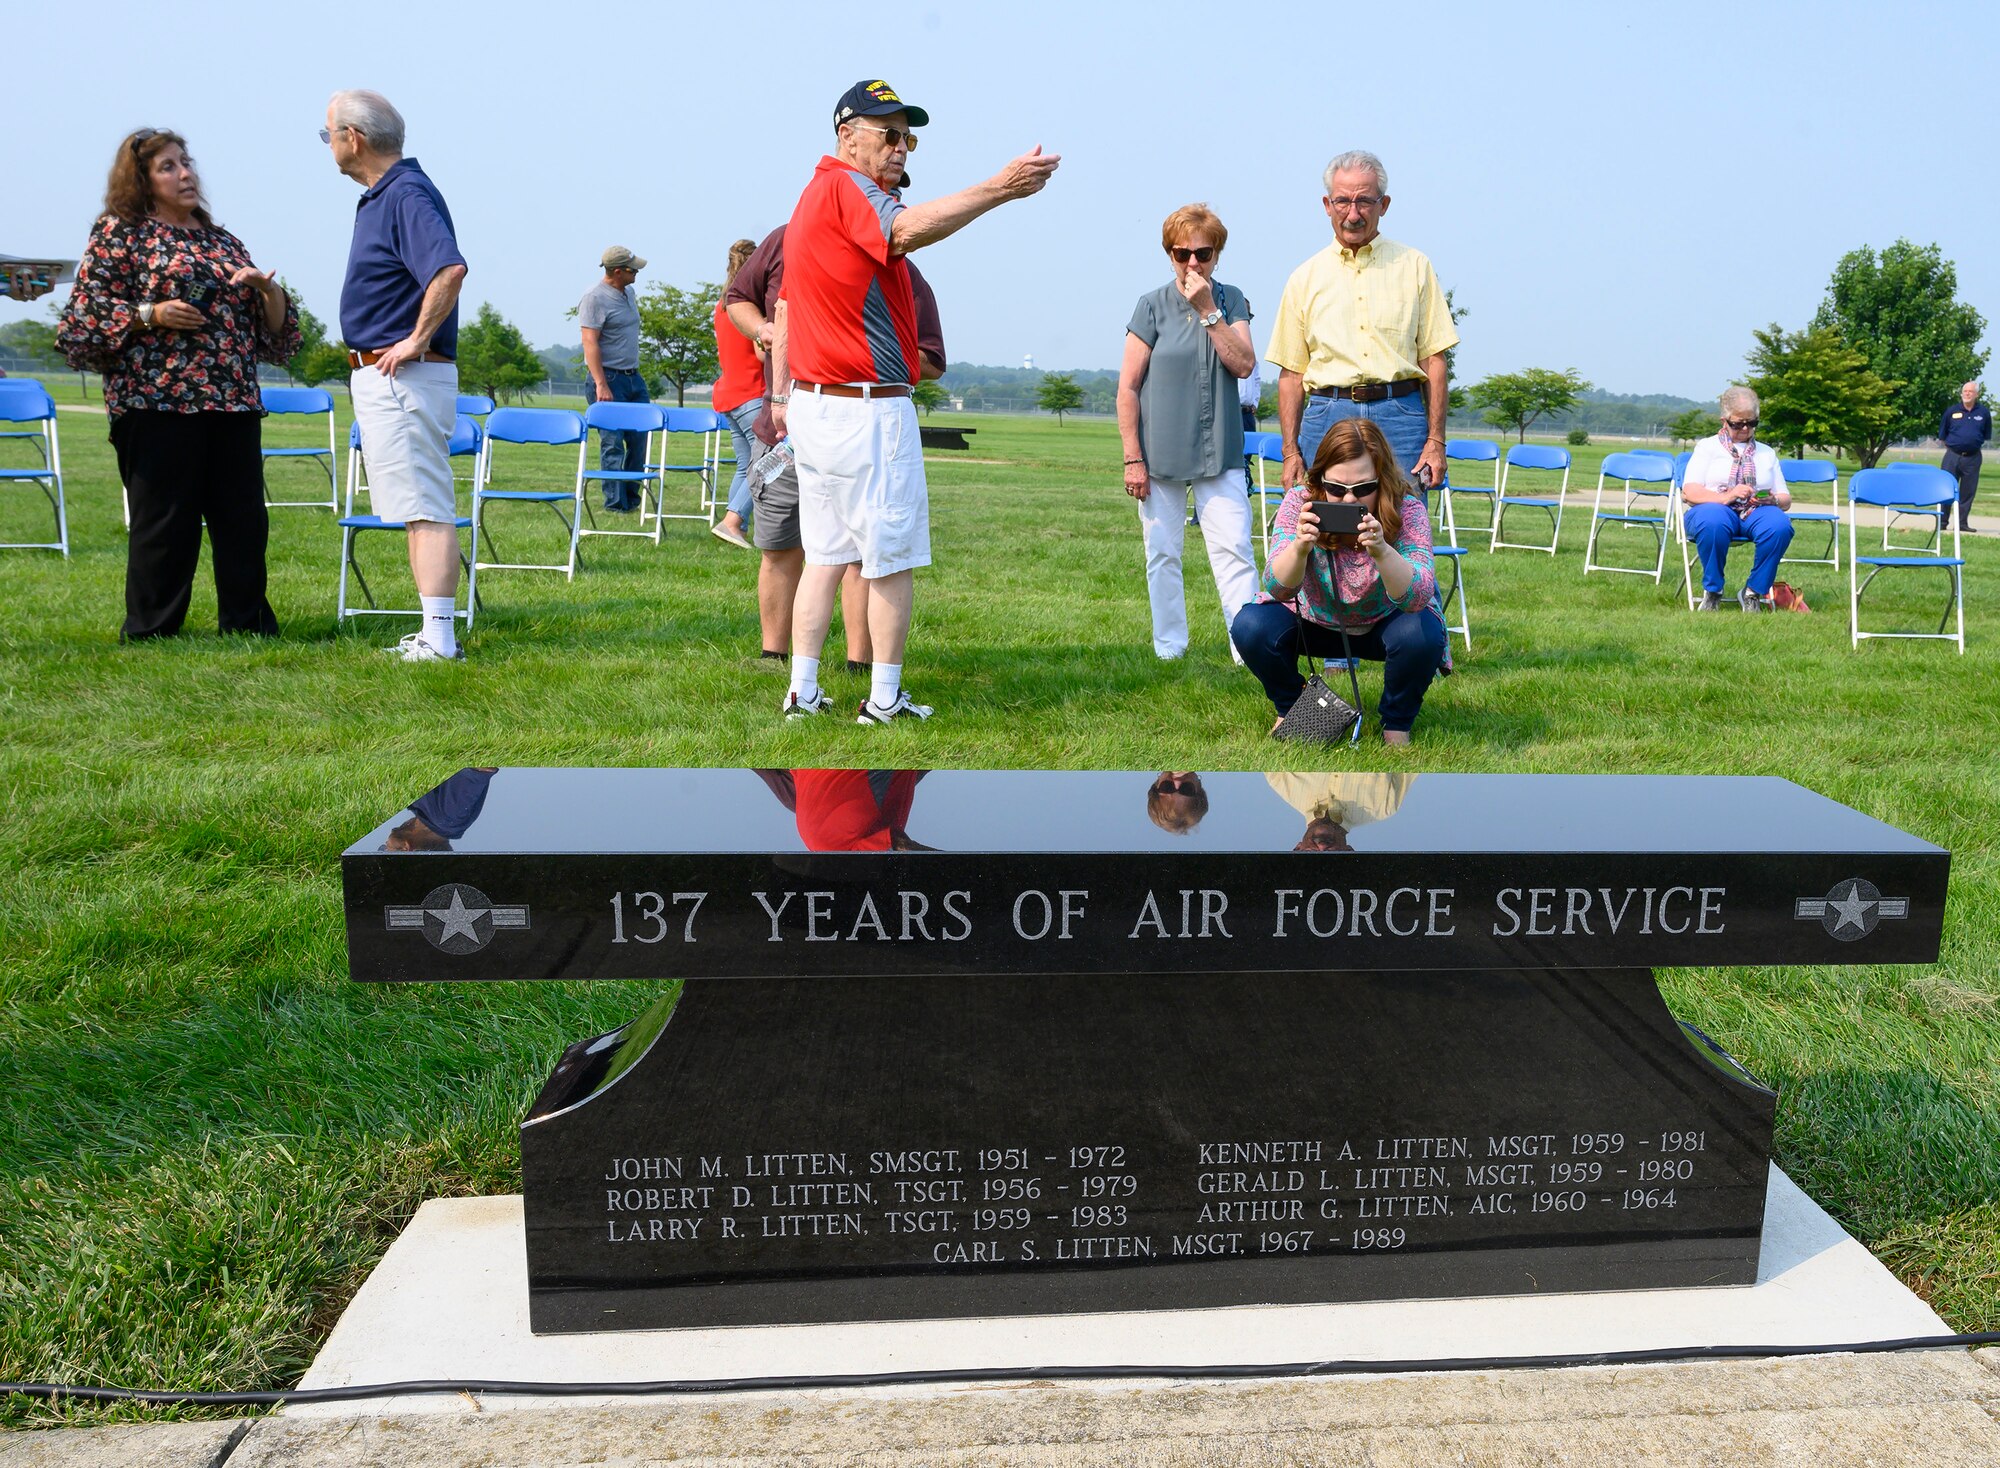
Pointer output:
x,y
1624,190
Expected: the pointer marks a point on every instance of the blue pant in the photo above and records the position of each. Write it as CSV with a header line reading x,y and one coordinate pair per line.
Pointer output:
x,y
625,449
1410,647
746,449
1402,421
1714,528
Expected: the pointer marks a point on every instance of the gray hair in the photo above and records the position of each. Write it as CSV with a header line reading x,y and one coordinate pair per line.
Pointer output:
x,y
1976,385
371,115
1739,397
1356,158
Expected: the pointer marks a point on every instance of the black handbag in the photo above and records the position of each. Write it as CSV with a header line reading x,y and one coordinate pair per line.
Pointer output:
x,y
1322,716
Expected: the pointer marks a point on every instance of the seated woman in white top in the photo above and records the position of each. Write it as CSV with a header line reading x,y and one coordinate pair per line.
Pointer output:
x,y
1734,491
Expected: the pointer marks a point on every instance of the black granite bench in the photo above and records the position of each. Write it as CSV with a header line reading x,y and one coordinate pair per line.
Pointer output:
x,y
944,438
986,1043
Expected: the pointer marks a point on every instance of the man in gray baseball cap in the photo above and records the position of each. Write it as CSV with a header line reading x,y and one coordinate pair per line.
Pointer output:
x,y
609,315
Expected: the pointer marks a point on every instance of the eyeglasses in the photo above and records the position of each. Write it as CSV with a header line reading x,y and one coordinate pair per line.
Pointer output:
x,y
895,135
1359,491
1742,422
1364,202
1182,253
326,133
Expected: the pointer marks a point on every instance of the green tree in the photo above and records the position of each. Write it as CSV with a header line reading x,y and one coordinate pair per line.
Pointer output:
x,y
1901,309
494,358
929,396
1058,393
312,336
1267,403
32,341
1579,437
1693,426
1814,390
1517,399
677,334
1454,397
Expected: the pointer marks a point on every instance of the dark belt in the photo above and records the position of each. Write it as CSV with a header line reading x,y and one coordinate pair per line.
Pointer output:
x,y
358,360
850,390
1372,392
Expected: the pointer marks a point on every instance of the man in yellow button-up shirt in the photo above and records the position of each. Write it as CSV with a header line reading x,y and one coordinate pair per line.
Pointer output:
x,y
1362,331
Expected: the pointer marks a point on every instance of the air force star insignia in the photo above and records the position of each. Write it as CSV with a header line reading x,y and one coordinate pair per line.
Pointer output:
x,y
455,918
1852,909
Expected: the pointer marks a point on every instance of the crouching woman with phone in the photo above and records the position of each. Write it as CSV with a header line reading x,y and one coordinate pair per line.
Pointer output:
x,y
170,309
1350,551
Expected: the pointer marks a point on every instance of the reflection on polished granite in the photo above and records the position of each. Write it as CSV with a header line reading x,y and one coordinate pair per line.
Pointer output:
x,y
667,811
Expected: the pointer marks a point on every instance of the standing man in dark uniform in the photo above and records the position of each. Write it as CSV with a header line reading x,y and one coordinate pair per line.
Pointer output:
x,y
1965,430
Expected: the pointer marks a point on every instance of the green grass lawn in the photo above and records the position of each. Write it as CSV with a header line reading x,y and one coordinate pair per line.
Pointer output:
x,y
209,1135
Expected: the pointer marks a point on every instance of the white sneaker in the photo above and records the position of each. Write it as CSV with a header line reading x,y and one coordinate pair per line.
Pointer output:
x,y
795,707
902,708
413,649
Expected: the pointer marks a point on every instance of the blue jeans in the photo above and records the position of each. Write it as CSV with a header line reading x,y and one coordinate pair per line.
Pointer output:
x,y
1402,421
746,449
625,449
1410,647
1714,528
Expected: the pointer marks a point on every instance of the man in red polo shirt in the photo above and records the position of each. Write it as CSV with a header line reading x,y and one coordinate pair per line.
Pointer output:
x,y
843,362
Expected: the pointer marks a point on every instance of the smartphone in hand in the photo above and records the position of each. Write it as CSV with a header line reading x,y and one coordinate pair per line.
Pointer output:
x,y
1338,517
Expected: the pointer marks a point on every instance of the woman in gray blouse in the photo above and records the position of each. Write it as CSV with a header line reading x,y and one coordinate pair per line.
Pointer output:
x,y
1186,347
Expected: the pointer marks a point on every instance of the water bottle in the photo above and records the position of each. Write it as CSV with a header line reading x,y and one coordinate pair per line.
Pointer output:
x,y
771,463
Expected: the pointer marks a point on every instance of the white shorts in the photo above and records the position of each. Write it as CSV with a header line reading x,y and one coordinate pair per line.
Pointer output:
x,y
406,424
861,482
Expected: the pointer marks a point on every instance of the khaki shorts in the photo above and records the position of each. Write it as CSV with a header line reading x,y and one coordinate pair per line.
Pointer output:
x,y
406,424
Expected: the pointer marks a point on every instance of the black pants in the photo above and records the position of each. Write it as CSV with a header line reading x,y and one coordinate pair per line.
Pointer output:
x,y
179,470
1965,469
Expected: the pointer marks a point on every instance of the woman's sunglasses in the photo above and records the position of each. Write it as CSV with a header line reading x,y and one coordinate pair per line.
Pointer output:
x,y
1182,254
1359,491
1743,422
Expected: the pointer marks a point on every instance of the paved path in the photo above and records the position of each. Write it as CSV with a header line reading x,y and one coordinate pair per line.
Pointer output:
x,y
1934,1409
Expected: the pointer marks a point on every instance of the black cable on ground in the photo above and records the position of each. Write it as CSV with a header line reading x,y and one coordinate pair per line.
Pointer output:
x,y
54,1391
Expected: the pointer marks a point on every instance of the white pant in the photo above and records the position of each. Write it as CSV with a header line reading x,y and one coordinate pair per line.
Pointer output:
x,y
862,495
406,424
1222,504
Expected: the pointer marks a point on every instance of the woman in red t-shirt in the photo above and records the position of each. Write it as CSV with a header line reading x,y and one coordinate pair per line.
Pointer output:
x,y
739,397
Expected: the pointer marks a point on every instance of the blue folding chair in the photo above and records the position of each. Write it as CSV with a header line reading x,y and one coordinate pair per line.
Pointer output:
x,y
26,387
1917,488
1453,555
1799,472
716,495
551,427
1537,458
284,402
1937,516
701,421
1265,448
1646,478
646,418
474,405
1468,451
29,402
464,439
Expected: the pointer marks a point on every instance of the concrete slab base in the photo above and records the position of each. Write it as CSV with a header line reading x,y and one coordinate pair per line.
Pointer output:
x,y
1933,1409
450,1301
155,1444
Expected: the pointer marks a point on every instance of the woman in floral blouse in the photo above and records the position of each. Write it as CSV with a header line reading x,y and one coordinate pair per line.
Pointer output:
x,y
1378,586
169,308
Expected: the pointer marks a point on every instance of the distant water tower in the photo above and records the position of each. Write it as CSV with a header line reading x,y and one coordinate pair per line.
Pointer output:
x,y
1028,362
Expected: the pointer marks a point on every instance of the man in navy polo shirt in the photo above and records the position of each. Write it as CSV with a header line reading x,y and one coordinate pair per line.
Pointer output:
x,y
1965,430
399,317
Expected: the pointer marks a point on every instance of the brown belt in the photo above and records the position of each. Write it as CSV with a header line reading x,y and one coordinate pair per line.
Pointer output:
x,y
1372,392
358,360
850,390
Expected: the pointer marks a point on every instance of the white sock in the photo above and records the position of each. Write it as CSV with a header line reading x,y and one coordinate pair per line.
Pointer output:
x,y
805,678
440,629
887,679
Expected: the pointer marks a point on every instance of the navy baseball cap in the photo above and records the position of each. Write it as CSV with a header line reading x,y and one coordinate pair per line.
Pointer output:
x,y
875,99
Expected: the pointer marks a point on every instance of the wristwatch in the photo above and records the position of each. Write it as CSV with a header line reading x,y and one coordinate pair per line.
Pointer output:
x,y
1211,318
145,313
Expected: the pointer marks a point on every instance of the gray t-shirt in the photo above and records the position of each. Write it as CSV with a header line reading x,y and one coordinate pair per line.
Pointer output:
x,y
1190,425
615,313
